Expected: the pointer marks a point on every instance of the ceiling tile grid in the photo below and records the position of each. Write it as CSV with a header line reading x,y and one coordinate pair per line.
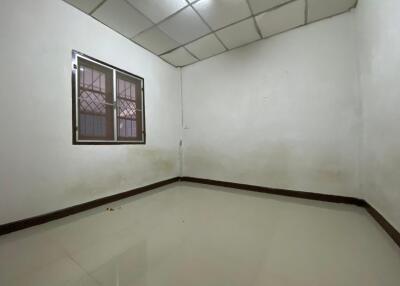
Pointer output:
x,y
239,34
182,32
320,9
156,41
185,26
206,47
122,17
263,5
221,13
179,57
282,19
86,6
157,10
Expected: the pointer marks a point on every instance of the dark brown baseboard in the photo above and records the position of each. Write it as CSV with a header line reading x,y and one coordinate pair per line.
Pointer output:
x,y
390,230
280,192
33,221
40,219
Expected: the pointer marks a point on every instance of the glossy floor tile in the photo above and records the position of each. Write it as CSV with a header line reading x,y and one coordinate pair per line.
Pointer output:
x,y
188,234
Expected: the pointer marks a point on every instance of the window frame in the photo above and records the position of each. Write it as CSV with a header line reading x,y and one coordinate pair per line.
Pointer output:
x,y
75,103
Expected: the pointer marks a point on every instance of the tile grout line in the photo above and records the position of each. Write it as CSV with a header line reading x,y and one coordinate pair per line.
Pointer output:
x,y
87,272
68,255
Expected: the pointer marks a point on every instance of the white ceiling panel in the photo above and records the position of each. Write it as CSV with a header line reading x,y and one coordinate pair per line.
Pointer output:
x,y
220,13
122,17
156,41
282,19
262,5
86,6
179,57
319,9
158,10
194,29
239,34
184,26
206,47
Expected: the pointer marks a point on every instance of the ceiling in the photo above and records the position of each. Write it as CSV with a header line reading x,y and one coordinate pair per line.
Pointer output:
x,y
183,32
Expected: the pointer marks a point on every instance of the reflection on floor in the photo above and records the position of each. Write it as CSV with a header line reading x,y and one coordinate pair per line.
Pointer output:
x,y
188,234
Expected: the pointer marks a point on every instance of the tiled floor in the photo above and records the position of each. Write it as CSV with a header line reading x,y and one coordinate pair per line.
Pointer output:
x,y
188,234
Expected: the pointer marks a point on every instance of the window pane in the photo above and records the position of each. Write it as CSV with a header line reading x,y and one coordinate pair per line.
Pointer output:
x,y
129,105
95,98
92,125
126,109
127,128
126,89
92,102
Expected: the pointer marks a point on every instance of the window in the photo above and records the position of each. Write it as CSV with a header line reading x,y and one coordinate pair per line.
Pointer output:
x,y
108,103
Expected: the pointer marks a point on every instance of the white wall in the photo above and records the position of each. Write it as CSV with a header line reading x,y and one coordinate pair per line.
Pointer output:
x,y
40,169
283,112
378,30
